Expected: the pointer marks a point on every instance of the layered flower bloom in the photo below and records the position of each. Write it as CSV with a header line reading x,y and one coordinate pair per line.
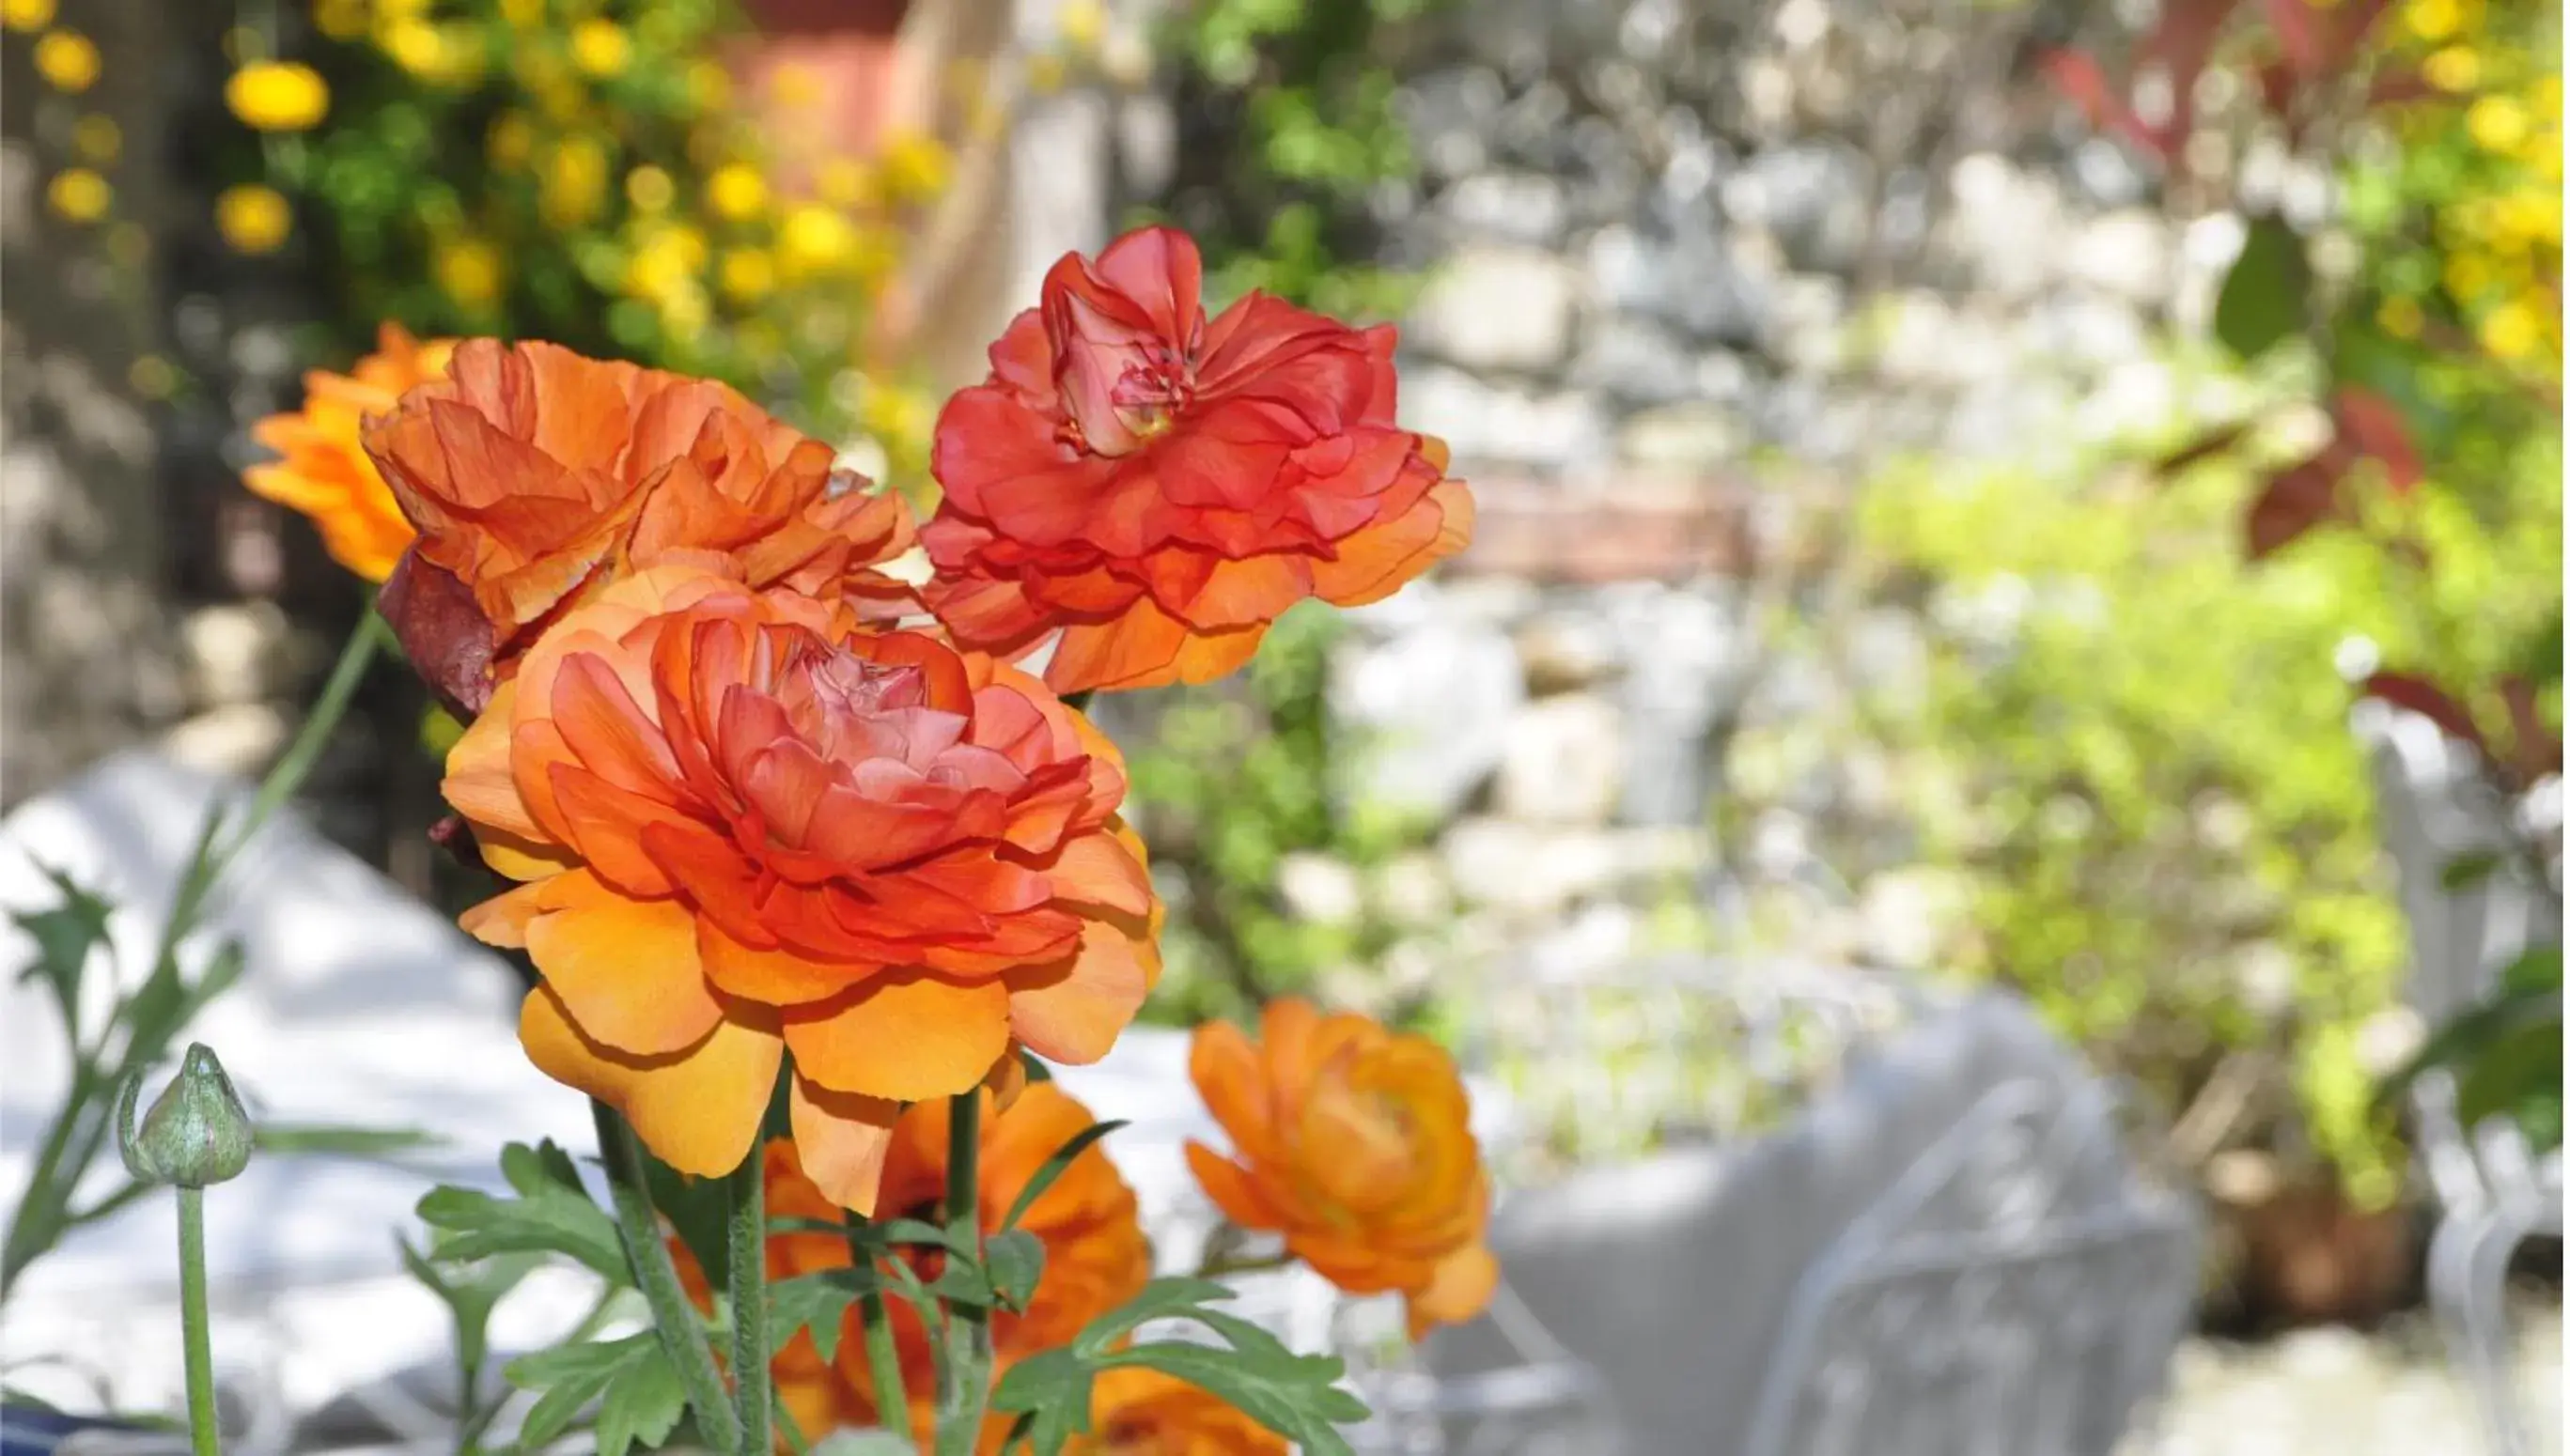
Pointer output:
x,y
325,474
1159,488
1138,1412
749,825
1356,1144
1095,1256
536,476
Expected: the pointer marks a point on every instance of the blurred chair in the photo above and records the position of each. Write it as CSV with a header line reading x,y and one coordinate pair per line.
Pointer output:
x,y
1947,1253
2491,1189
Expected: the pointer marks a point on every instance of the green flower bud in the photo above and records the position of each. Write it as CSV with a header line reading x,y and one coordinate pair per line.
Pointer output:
x,y
195,1134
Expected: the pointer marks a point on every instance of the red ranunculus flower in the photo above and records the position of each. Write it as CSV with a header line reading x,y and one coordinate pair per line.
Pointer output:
x,y
1159,488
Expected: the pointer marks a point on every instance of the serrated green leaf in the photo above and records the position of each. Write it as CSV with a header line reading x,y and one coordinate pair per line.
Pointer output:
x,y
817,1301
470,1291
2266,294
569,1377
1016,1262
332,1141
1053,1167
552,1215
1284,1397
1162,1299
1050,1392
642,1402
65,936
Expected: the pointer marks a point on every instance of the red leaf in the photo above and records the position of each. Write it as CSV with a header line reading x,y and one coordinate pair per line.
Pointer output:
x,y
2297,498
2398,84
2297,30
442,630
2344,29
2371,425
2082,81
2201,448
2428,701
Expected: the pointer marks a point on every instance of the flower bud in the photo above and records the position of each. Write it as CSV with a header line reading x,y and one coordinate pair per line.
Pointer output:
x,y
196,1132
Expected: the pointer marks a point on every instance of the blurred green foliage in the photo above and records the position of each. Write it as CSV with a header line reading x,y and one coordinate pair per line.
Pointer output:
x,y
1237,776
588,171
1288,107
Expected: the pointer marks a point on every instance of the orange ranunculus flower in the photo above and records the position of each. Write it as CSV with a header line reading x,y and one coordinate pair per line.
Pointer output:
x,y
1158,486
1138,1412
536,476
749,826
812,1389
325,473
1356,1144
1095,1256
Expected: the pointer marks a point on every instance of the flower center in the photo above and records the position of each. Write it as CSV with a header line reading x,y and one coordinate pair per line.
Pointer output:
x,y
1153,389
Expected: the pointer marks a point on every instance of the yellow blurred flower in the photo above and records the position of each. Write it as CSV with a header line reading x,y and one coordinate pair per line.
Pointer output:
x,y
747,275
2497,122
2531,215
795,86
600,47
152,377
512,141
26,14
736,192
413,44
2433,20
78,195
2455,68
708,85
2468,274
2402,317
1082,23
469,270
2512,330
915,167
253,218
894,415
575,182
340,20
2547,98
97,139
523,14
1046,73
66,59
844,183
685,312
278,95
650,190
815,239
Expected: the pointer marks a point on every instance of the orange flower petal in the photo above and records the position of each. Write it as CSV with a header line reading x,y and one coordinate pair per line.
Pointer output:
x,y
698,1110
479,782
909,1035
1232,1080
1460,1289
1099,870
1232,1189
1372,564
777,976
625,970
501,920
843,1139
1073,1012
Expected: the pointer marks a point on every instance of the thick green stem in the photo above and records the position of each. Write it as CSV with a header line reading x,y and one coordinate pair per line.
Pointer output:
x,y
193,1320
295,766
748,1258
967,1382
648,1254
874,1327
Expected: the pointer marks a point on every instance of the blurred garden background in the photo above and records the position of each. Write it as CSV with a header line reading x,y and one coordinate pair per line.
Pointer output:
x,y
1944,466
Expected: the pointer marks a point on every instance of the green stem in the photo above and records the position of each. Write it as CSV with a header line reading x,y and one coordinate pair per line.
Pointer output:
x,y
673,1319
792,1430
192,1322
751,1381
295,766
874,1326
967,1380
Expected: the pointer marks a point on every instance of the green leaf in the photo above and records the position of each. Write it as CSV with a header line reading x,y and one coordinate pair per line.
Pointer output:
x,y
2538,970
64,935
817,1301
1296,1400
1016,1260
700,1210
1165,1298
1050,1392
552,1215
2266,294
2465,871
1037,1070
331,1141
470,1291
638,1395
1053,1167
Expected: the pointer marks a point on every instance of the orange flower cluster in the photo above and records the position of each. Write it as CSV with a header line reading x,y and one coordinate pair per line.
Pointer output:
x,y
1357,1145
782,829
325,473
